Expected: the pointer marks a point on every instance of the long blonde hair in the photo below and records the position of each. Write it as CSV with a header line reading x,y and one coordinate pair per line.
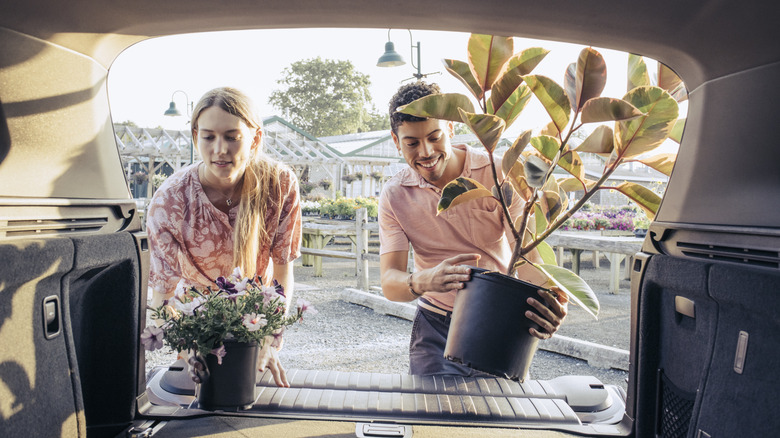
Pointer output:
x,y
261,184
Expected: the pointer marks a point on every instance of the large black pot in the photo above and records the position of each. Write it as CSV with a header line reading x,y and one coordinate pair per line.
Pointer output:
x,y
489,329
231,385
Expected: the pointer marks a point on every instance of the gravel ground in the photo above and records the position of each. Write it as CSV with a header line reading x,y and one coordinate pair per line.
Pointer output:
x,y
349,337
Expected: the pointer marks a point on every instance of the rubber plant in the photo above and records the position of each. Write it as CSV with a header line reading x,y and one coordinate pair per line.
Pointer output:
x,y
502,84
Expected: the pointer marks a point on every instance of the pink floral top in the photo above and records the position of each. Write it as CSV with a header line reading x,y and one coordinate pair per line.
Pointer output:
x,y
191,240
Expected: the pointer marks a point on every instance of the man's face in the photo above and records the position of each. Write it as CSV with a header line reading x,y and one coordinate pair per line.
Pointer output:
x,y
426,148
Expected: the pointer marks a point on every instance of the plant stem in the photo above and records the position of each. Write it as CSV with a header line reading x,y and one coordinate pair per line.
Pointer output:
x,y
501,199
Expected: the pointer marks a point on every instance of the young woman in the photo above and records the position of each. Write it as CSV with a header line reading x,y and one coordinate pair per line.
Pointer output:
x,y
237,207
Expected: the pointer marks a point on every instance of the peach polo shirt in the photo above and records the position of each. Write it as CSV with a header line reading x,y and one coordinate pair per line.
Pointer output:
x,y
191,240
407,214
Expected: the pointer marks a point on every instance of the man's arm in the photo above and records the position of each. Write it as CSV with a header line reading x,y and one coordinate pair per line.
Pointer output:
x,y
449,275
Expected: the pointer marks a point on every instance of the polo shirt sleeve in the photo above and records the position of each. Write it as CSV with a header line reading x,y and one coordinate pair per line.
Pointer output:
x,y
392,237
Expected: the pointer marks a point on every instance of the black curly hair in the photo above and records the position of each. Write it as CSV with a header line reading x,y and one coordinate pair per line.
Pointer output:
x,y
406,94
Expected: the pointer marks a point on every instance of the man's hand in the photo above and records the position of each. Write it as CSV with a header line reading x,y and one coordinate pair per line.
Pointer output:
x,y
552,317
267,358
447,276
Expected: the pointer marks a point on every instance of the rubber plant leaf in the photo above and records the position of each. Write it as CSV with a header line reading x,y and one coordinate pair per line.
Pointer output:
x,y
511,76
551,130
517,178
535,170
663,163
677,131
591,76
607,109
552,97
487,56
571,162
546,145
570,84
540,219
645,198
462,72
551,203
574,185
600,141
513,153
669,81
514,104
527,60
547,253
461,190
636,72
645,133
508,192
487,127
444,106
530,229
575,287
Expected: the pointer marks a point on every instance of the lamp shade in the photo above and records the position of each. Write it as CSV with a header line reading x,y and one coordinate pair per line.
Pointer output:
x,y
172,111
390,58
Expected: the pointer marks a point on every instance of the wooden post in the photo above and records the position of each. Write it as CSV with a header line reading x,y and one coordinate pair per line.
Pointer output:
x,y
361,238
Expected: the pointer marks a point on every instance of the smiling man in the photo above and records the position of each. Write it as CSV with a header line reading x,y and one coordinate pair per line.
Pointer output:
x,y
444,245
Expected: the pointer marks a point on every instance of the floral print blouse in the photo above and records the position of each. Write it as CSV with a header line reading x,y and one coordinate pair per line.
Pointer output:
x,y
192,241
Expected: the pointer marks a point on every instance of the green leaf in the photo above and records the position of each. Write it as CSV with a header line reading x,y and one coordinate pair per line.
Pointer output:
x,y
570,84
487,56
505,85
462,72
571,184
514,104
445,106
677,132
571,162
546,145
535,170
600,141
461,190
517,178
540,219
669,81
552,98
606,109
645,198
551,130
637,72
525,61
513,153
575,287
508,192
645,133
487,127
661,162
591,76
547,254
551,203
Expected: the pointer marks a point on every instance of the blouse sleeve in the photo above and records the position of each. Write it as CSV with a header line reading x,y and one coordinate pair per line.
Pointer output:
x,y
287,241
165,271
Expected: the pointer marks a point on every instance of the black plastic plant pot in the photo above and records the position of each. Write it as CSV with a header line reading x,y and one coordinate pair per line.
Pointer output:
x,y
231,385
489,329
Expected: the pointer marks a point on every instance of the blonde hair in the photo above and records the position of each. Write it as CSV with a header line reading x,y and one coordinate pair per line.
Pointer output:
x,y
261,184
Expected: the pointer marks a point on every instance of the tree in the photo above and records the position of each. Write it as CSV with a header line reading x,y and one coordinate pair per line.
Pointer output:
x,y
326,97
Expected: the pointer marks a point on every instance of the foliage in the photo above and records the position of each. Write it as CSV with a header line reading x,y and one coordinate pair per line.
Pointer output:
x,y
349,178
306,187
327,97
310,207
140,176
236,308
158,179
326,184
345,207
502,84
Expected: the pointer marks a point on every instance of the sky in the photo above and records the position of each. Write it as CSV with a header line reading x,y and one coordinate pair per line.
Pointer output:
x,y
144,78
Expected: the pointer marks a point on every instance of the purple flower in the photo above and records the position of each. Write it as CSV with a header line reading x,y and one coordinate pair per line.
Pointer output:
x,y
277,342
152,338
220,353
226,285
279,288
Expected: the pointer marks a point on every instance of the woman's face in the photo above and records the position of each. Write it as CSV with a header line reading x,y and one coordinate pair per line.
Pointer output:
x,y
226,144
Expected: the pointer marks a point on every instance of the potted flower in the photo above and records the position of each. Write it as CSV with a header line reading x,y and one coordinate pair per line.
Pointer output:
x,y
326,184
641,224
502,84
226,325
600,221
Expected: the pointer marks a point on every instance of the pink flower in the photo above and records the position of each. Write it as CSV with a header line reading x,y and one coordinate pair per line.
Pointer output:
x,y
152,338
306,307
220,353
254,322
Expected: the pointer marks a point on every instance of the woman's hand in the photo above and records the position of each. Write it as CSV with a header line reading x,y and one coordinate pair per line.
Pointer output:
x,y
552,316
268,357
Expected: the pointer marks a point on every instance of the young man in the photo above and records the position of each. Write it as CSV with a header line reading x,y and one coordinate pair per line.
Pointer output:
x,y
444,245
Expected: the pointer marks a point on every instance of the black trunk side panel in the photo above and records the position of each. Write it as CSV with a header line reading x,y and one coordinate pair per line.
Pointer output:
x,y
39,387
